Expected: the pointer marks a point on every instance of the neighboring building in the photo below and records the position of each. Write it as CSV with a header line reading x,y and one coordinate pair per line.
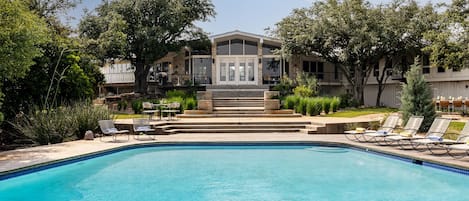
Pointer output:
x,y
240,58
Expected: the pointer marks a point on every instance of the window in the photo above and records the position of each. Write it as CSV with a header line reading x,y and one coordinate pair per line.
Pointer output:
x,y
250,48
271,70
376,70
441,69
336,72
269,49
425,60
236,47
314,68
223,48
202,70
425,70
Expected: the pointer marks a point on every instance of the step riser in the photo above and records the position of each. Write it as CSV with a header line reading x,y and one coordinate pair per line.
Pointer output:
x,y
236,127
238,112
236,131
238,104
217,94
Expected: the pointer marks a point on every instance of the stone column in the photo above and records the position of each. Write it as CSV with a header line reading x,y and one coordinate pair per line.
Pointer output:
x,y
204,101
270,104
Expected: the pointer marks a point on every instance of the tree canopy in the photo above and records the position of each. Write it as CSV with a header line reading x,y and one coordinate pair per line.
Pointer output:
x,y
20,34
449,42
143,31
355,35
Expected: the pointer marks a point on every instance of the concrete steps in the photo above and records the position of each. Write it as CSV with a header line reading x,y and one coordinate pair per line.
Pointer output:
x,y
233,127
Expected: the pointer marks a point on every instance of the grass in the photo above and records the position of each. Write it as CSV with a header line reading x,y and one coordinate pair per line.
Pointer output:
x,y
129,116
361,111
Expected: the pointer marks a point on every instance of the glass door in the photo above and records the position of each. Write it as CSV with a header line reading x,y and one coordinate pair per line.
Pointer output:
x,y
236,71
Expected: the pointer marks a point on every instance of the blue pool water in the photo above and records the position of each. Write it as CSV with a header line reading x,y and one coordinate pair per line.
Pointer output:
x,y
238,173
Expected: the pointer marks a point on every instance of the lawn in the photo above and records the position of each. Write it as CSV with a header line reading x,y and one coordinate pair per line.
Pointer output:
x,y
129,116
361,111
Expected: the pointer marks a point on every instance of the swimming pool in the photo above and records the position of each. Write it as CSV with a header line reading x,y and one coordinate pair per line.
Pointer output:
x,y
238,173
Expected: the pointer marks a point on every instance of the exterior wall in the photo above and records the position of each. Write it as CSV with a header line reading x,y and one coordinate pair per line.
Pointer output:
x,y
390,97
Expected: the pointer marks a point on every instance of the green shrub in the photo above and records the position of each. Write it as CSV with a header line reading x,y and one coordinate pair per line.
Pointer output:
x,y
285,86
314,106
47,126
137,106
326,104
122,105
190,104
303,91
175,93
302,105
290,102
335,104
87,116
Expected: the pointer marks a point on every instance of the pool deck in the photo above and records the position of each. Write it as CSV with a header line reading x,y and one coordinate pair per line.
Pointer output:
x,y
16,160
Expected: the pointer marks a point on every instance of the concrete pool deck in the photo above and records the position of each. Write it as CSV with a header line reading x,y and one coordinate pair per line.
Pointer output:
x,y
15,160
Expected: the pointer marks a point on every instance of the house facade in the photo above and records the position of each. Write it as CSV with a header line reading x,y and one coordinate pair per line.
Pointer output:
x,y
239,58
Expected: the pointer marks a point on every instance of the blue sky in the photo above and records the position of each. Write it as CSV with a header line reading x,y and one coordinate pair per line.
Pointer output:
x,y
245,15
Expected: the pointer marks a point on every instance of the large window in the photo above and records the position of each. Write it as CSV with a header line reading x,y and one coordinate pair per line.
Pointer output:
x,y
315,68
271,69
202,70
159,73
237,47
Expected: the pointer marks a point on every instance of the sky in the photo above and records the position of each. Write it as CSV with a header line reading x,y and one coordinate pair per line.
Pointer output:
x,y
252,16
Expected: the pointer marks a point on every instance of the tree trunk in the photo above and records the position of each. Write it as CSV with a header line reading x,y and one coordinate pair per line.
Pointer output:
x,y
140,85
380,92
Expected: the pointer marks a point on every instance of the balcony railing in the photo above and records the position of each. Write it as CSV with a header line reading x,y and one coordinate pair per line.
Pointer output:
x,y
113,78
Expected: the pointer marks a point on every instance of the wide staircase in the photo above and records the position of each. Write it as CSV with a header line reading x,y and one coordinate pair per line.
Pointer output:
x,y
235,126
238,109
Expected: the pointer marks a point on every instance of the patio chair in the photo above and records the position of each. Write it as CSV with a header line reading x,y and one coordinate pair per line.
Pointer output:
x,y
409,132
461,143
108,128
149,110
385,130
434,135
142,127
172,108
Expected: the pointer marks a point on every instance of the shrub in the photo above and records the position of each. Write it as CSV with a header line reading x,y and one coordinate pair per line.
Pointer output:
x,y
122,105
284,87
303,91
87,116
190,104
308,81
301,108
311,107
335,103
175,93
137,106
47,126
290,102
326,104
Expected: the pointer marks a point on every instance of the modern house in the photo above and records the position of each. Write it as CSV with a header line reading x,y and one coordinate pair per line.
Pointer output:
x,y
241,59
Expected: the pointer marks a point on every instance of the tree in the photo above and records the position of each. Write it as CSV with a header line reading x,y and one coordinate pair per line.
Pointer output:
x,y
403,24
143,31
416,98
20,34
448,46
345,33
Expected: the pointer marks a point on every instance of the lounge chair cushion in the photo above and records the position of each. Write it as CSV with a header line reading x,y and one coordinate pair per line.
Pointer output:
x,y
360,130
382,132
111,130
435,138
405,134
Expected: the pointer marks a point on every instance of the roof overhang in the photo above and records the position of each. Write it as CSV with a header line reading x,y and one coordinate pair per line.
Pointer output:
x,y
236,33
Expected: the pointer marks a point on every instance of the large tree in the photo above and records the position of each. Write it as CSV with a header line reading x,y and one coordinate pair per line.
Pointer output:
x,y
403,24
449,42
143,31
21,31
341,32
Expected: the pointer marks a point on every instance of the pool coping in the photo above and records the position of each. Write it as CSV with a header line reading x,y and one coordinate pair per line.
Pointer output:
x,y
4,175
